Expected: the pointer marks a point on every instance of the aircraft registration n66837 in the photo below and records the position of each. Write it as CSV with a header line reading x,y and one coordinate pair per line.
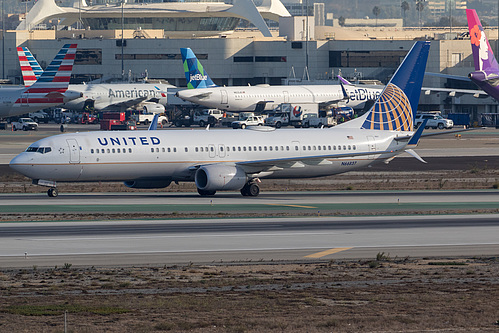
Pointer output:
x,y
219,160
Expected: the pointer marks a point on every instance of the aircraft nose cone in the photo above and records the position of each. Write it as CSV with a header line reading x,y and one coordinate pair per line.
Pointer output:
x,y
20,163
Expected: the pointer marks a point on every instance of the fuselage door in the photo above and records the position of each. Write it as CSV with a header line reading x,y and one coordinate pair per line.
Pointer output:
x,y
74,151
225,98
212,150
286,96
221,150
371,145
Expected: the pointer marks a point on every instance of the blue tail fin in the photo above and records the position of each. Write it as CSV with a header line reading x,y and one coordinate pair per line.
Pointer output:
x,y
194,72
396,108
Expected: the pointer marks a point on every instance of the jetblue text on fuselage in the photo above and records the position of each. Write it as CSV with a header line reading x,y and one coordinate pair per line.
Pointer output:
x,y
132,93
129,141
362,94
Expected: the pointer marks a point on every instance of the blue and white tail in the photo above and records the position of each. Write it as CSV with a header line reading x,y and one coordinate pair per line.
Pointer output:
x,y
195,74
396,107
54,81
30,68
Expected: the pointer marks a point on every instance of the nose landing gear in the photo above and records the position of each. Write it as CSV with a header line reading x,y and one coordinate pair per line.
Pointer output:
x,y
53,192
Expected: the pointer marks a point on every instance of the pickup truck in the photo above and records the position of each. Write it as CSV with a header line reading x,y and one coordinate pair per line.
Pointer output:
x,y
434,121
39,116
207,116
146,119
25,124
277,120
248,121
315,121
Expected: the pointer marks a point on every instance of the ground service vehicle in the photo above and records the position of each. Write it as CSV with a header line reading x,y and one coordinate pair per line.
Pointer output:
x,y
248,121
207,116
39,116
434,121
26,124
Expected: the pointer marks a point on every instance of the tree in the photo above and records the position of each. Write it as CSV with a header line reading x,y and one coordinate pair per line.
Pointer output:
x,y
341,21
420,7
376,12
405,7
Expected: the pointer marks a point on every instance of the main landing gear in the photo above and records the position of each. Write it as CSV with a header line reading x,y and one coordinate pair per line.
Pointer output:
x,y
251,189
53,192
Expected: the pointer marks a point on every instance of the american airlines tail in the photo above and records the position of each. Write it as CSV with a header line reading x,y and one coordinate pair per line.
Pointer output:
x,y
486,71
397,105
54,81
30,68
195,74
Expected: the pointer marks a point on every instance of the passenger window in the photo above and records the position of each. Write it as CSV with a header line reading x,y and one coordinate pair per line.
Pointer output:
x,y
260,148
309,148
186,149
319,147
328,147
91,151
244,148
129,150
304,148
197,149
349,147
163,149
108,150
152,150
270,148
234,148
323,147
339,147
354,147
157,150
103,151
118,150
249,148
174,149
265,148
169,150
114,151
344,147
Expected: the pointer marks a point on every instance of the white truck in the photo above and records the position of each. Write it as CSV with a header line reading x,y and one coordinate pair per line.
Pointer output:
x,y
248,121
277,119
297,111
146,117
26,124
207,116
39,116
313,120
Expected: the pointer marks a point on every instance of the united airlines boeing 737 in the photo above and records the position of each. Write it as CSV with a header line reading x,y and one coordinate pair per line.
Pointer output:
x,y
258,98
50,89
222,160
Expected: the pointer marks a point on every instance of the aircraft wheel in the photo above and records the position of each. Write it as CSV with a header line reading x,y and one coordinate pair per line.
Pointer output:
x,y
253,190
206,193
53,192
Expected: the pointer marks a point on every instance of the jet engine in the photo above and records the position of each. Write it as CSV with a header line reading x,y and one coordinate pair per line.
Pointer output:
x,y
147,183
216,177
153,108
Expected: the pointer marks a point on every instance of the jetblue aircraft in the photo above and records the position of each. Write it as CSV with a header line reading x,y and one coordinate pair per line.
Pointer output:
x,y
258,98
221,160
50,89
101,96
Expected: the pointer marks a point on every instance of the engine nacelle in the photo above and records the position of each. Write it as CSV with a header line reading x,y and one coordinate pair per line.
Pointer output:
x,y
154,108
147,183
216,177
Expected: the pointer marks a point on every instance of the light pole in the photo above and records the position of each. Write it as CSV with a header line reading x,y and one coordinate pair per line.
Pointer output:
x,y
122,41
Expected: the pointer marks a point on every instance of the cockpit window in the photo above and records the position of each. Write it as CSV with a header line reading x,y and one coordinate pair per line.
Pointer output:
x,y
41,150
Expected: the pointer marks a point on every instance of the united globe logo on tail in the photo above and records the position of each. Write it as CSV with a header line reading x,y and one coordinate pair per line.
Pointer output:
x,y
392,111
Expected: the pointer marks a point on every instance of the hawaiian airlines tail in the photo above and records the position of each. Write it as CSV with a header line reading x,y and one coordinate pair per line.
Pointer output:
x,y
195,74
396,107
54,81
30,68
486,74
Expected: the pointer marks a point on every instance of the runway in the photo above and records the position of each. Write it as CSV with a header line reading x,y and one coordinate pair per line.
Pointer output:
x,y
235,240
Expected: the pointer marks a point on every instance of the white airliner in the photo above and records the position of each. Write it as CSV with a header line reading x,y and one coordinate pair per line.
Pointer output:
x,y
219,160
258,98
50,89
100,96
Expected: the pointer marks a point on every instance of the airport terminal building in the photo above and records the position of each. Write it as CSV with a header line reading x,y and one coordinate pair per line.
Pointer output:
x,y
235,56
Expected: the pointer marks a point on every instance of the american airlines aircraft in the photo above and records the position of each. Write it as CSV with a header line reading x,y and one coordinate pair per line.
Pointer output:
x,y
258,98
101,96
222,160
50,89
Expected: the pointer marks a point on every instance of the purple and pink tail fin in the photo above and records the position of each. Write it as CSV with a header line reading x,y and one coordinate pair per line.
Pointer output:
x,y
483,56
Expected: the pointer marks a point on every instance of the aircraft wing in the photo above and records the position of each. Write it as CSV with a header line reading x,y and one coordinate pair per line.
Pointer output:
x,y
448,76
124,104
300,162
455,92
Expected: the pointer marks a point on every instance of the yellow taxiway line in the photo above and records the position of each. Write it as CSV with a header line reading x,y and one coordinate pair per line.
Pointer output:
x,y
328,252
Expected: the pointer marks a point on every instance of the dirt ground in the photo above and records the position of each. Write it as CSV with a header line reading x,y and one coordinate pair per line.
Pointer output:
x,y
379,295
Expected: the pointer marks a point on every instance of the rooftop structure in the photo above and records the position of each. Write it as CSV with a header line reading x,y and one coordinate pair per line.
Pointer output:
x,y
188,18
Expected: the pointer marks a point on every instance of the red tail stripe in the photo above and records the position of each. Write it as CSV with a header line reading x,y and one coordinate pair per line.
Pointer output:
x,y
23,58
45,90
61,79
67,68
69,56
40,100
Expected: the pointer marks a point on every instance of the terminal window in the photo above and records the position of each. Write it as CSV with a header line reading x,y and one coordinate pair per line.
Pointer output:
x,y
88,57
390,59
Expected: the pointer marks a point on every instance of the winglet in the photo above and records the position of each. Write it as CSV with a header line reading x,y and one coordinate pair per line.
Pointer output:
x,y
154,123
415,138
415,155
344,81
195,74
